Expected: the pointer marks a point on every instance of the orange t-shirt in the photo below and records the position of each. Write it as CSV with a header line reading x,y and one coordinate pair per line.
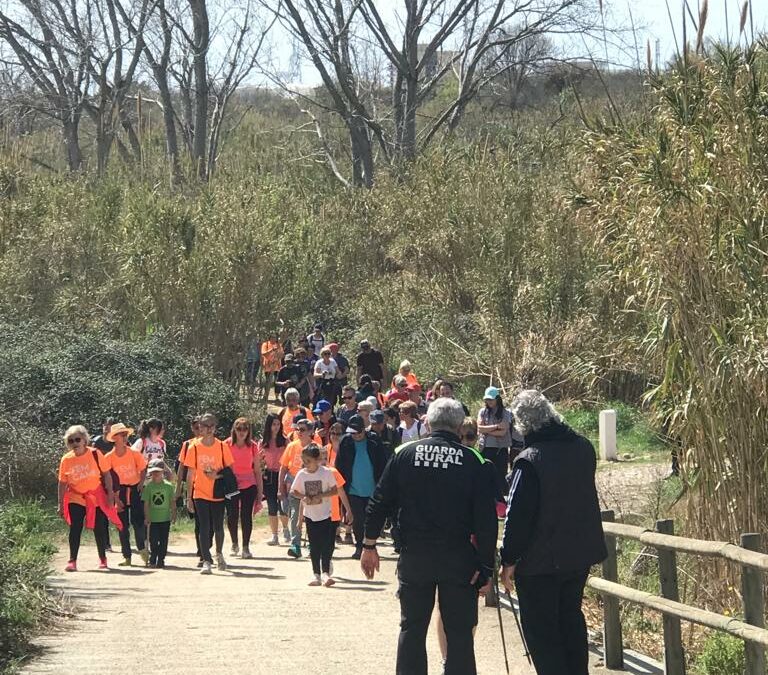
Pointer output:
x,y
331,456
410,378
286,418
200,457
128,467
271,356
291,458
82,474
336,500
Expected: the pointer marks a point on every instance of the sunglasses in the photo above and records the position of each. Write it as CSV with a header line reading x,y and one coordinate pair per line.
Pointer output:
x,y
302,430
206,426
74,441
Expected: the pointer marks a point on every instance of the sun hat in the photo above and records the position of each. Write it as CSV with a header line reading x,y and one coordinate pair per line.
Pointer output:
x,y
491,394
116,429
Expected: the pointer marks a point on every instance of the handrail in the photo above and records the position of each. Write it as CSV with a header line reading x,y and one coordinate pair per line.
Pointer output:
x,y
702,617
711,549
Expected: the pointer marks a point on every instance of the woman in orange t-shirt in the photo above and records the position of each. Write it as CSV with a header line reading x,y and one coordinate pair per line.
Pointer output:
x,y
130,467
80,492
204,460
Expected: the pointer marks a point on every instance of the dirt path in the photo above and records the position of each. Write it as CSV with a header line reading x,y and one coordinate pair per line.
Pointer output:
x,y
255,618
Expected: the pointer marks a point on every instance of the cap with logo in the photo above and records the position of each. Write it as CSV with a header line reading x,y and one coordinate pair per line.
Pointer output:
x,y
355,425
322,406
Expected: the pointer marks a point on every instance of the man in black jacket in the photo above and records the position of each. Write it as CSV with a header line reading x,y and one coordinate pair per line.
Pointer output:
x,y
552,536
442,495
361,460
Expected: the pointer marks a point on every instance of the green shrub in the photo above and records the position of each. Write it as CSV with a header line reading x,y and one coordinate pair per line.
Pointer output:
x,y
26,549
54,377
722,654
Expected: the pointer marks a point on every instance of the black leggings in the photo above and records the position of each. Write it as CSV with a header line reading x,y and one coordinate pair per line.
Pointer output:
x,y
210,515
274,503
322,541
134,511
77,517
158,542
241,506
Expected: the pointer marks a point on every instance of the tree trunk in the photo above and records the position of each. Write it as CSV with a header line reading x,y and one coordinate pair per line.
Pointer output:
x,y
71,132
171,138
200,67
362,153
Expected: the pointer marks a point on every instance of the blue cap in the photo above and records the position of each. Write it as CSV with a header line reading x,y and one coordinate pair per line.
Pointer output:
x,y
322,406
490,394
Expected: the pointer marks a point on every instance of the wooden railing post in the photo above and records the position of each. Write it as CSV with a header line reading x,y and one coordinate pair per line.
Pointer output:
x,y
674,659
752,594
612,640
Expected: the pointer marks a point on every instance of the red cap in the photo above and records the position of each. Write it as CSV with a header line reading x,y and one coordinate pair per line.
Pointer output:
x,y
413,387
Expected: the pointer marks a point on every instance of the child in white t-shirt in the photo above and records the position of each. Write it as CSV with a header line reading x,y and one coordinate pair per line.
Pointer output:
x,y
315,485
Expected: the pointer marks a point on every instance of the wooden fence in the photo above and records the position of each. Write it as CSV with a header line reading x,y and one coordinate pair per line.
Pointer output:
x,y
753,564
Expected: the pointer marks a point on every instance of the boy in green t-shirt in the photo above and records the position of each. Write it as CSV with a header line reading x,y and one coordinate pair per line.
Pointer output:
x,y
159,512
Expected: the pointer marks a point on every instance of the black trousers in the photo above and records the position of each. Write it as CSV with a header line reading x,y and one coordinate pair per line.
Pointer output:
x,y
77,516
132,512
322,541
359,506
500,459
158,542
553,623
240,508
420,574
210,516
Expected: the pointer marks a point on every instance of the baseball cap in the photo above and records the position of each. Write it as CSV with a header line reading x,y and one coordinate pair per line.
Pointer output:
x,y
322,406
355,425
490,394
365,343
156,465
413,387
377,416
298,418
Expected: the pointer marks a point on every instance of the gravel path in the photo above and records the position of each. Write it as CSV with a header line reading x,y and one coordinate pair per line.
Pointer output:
x,y
258,618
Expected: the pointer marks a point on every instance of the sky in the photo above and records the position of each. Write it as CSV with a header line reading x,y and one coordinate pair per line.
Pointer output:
x,y
651,19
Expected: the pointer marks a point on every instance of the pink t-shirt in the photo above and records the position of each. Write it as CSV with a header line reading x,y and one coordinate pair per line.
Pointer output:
x,y
243,466
272,454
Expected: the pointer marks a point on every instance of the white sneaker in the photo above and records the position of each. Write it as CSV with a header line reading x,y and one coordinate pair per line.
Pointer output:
x,y
328,580
220,562
235,550
316,581
274,541
206,568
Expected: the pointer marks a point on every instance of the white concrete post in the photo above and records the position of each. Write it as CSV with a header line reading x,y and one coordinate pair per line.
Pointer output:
x,y
608,436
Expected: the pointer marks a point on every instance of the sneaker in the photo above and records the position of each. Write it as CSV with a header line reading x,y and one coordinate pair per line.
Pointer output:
x,y
160,564
316,581
287,536
328,580
348,538
356,555
103,564
144,555
108,549
206,568
71,566
220,562
339,540
126,563
235,551
275,541
295,552
200,563
247,555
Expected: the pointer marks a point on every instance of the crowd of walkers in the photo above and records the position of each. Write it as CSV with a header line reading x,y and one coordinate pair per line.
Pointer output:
x,y
344,463
326,427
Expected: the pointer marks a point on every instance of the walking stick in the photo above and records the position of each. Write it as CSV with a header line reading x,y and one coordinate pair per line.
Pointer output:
x,y
519,628
498,611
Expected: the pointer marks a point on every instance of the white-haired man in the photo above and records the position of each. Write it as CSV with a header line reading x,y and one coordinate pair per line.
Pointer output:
x,y
552,536
443,495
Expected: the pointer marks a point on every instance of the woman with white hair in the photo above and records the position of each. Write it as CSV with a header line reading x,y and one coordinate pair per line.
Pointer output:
x,y
552,536
86,498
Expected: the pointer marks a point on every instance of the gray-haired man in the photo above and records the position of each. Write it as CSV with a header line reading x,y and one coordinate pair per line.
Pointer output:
x,y
443,495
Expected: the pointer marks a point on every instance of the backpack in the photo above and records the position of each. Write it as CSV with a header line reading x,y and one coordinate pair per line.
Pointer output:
x,y
111,472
